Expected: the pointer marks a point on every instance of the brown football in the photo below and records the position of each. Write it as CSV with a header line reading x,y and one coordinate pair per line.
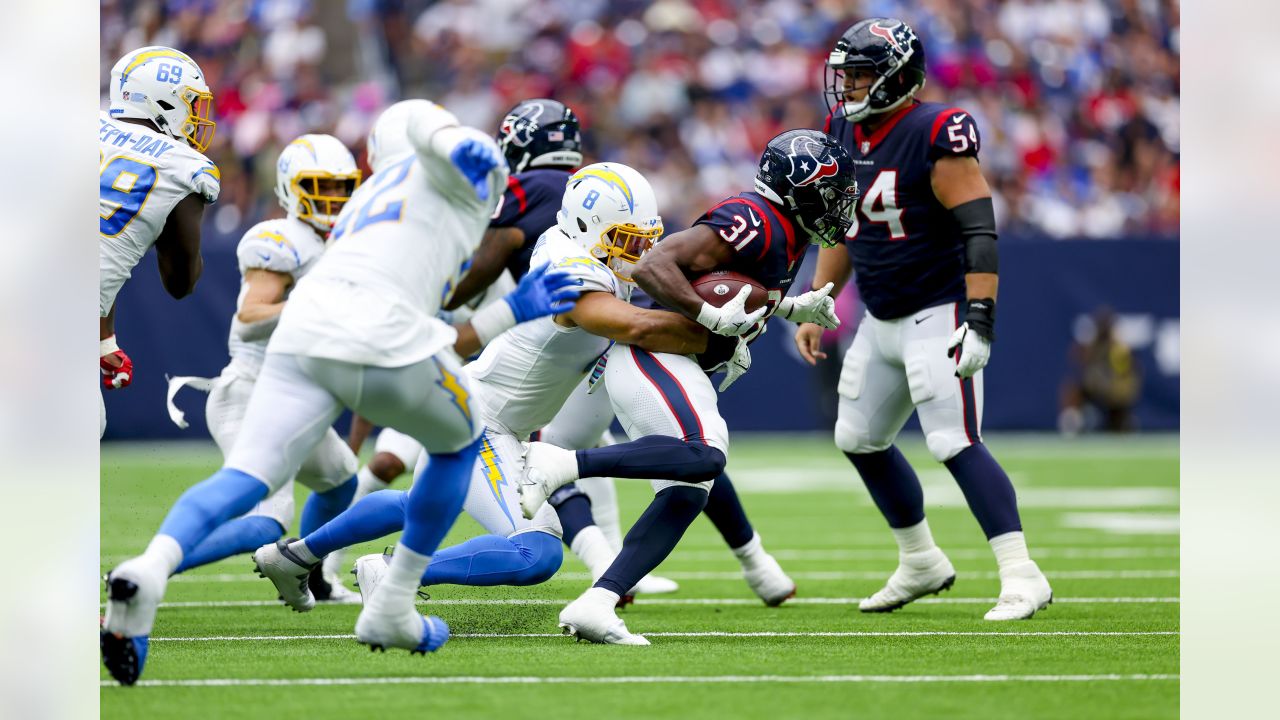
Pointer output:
x,y
721,286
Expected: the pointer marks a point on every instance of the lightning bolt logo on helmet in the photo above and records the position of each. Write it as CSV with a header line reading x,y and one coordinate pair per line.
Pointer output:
x,y
804,154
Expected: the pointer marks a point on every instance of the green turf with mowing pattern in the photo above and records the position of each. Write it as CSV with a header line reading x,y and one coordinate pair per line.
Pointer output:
x,y
811,511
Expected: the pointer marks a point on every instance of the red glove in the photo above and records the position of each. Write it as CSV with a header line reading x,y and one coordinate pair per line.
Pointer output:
x,y
116,367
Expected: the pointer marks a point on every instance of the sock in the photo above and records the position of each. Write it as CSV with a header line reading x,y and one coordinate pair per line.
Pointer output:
x,y
893,485
573,507
367,482
400,584
654,536
604,507
321,507
377,515
724,509
165,552
528,558
203,507
594,550
655,456
987,489
241,535
436,499
1010,549
914,539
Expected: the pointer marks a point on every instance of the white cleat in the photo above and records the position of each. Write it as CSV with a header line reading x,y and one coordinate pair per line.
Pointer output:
x,y
918,574
767,580
591,617
407,630
134,591
369,571
287,572
547,468
1023,592
655,585
328,588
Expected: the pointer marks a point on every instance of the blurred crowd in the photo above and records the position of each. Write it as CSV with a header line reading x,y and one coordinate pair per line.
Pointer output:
x,y
1077,99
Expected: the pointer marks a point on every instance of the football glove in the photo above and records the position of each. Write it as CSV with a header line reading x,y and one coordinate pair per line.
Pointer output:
x,y
971,342
732,317
737,366
815,306
115,365
474,159
543,291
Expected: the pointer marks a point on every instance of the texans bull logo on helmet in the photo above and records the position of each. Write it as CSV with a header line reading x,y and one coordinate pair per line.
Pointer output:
x,y
810,161
518,127
897,34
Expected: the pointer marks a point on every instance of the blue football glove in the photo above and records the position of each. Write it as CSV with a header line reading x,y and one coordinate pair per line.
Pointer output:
x,y
474,159
543,291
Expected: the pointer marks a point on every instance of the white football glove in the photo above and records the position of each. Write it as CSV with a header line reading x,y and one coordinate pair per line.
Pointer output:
x,y
815,306
731,318
737,366
974,351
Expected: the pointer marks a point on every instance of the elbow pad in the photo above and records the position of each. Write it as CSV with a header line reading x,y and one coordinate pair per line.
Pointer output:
x,y
976,221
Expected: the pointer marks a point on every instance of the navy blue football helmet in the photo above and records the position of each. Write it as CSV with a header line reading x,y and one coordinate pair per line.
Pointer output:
x,y
810,175
890,50
540,133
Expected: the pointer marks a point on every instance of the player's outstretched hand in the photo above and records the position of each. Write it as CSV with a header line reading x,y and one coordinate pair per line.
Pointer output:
x,y
474,159
116,367
543,291
974,351
815,306
737,366
731,318
809,343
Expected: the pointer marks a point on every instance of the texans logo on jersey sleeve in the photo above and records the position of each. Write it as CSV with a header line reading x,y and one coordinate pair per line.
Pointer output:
x,y
518,127
809,162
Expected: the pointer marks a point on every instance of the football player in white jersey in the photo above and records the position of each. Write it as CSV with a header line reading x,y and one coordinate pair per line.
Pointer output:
x,y
360,331
608,220
153,186
315,177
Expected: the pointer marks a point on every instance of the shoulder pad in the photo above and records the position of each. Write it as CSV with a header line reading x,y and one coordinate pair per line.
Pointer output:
x,y
741,223
268,246
954,133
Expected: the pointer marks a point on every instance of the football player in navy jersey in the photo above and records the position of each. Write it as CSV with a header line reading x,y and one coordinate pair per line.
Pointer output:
x,y
923,250
804,194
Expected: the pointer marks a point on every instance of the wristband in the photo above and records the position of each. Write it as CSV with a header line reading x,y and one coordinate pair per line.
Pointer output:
x,y
492,320
785,307
708,315
980,314
106,346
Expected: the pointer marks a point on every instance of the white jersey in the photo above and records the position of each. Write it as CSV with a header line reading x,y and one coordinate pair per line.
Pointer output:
x,y
143,174
287,246
398,249
525,375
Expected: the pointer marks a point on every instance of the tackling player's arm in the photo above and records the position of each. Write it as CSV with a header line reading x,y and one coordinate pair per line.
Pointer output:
x,y
178,247
603,314
664,272
498,244
542,291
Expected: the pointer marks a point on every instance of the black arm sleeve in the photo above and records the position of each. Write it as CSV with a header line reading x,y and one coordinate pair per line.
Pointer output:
x,y
976,220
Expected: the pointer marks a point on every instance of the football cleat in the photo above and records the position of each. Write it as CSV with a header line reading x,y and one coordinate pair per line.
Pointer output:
x,y
288,572
369,571
1023,592
329,588
765,577
133,594
918,574
419,634
591,617
654,585
547,468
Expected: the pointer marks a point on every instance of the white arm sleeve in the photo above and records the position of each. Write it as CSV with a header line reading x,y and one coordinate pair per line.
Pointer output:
x,y
434,133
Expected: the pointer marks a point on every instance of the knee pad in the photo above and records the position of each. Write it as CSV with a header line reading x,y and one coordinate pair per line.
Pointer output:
x,y
946,444
853,435
545,553
708,462
687,498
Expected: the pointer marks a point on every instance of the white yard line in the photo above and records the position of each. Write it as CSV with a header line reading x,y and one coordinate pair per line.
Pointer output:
x,y
694,601
645,679
737,575
921,633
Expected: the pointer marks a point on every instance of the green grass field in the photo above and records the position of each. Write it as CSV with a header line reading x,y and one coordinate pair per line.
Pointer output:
x,y
1100,516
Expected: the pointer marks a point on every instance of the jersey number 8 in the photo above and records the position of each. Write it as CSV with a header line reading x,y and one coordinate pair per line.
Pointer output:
x,y
125,184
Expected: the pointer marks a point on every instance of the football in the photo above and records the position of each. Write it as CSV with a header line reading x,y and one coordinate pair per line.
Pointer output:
x,y
721,286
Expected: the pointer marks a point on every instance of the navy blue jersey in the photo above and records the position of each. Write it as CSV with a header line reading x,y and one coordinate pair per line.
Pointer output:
x,y
767,247
530,204
907,253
